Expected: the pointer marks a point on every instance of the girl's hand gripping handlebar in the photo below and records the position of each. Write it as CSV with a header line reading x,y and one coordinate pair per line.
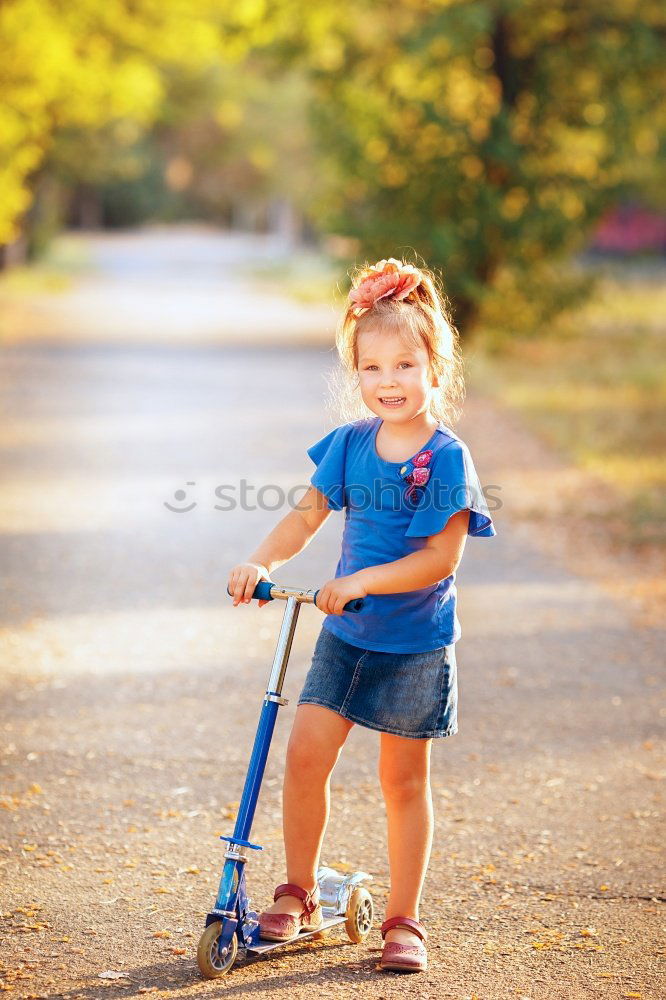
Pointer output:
x,y
266,591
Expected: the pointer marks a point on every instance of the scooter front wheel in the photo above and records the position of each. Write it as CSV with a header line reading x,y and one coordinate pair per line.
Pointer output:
x,y
359,915
211,964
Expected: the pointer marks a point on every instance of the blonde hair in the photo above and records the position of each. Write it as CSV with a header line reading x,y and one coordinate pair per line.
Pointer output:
x,y
423,319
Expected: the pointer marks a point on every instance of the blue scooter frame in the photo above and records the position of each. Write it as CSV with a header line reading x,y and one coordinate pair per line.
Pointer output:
x,y
231,924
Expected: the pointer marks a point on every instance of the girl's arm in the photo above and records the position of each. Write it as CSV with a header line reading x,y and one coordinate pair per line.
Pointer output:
x,y
436,561
289,537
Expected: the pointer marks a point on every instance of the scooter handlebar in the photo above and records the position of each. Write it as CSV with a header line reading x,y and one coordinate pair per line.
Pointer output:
x,y
354,605
263,592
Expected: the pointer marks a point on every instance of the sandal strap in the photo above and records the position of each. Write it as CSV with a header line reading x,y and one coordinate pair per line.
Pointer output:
x,y
310,899
408,922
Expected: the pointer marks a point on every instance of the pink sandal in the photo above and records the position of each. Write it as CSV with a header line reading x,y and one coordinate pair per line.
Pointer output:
x,y
284,926
404,957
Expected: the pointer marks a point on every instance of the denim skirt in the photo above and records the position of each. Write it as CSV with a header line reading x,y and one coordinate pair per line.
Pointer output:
x,y
407,694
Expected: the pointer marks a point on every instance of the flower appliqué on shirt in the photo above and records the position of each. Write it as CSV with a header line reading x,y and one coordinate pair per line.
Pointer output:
x,y
416,474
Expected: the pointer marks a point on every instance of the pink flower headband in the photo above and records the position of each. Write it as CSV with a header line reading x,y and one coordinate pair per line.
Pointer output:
x,y
389,279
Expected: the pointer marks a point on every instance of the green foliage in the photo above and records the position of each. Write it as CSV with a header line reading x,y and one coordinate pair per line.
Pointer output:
x,y
486,136
89,77
489,136
160,108
596,390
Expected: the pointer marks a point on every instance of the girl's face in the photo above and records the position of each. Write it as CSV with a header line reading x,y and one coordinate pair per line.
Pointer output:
x,y
390,369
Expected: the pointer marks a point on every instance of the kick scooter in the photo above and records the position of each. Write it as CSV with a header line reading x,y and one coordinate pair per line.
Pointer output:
x,y
231,925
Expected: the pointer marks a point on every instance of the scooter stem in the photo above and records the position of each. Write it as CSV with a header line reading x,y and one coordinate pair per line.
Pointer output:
x,y
231,887
283,648
272,700
294,596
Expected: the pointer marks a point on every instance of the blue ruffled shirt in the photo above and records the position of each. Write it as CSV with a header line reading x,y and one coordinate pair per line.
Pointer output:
x,y
382,524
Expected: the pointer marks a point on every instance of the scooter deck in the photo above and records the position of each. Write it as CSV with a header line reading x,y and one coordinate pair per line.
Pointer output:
x,y
266,945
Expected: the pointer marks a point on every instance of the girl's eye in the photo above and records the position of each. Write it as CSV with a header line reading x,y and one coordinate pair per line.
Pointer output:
x,y
370,367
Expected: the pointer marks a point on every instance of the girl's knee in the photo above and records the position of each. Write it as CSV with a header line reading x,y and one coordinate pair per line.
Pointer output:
x,y
313,749
404,767
401,782
402,785
305,758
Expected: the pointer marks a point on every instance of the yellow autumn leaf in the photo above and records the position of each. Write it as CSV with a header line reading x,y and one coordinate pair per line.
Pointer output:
x,y
342,866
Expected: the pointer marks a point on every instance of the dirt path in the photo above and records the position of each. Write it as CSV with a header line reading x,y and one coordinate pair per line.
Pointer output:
x,y
131,689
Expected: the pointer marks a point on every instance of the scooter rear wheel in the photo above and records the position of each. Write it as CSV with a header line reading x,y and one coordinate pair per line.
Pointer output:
x,y
359,915
211,965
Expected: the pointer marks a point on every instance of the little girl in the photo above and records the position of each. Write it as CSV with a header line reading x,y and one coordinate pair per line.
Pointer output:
x,y
412,496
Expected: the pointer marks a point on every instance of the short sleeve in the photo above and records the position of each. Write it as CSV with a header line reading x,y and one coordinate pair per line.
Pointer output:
x,y
453,485
329,455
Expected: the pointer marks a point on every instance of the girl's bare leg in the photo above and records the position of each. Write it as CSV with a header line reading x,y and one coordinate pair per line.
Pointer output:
x,y
316,739
404,772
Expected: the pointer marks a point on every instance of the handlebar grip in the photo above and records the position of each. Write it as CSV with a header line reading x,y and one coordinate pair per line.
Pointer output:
x,y
354,605
262,592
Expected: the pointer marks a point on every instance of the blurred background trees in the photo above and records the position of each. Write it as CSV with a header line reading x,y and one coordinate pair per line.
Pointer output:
x,y
496,132
489,136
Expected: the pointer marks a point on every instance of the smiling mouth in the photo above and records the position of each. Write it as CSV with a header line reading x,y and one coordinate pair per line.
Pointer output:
x,y
392,400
